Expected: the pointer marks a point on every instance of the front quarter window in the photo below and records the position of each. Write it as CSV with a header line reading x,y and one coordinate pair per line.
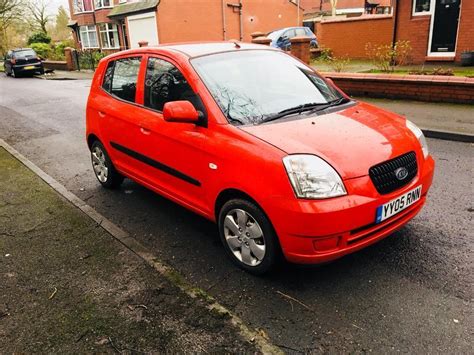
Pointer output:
x,y
251,86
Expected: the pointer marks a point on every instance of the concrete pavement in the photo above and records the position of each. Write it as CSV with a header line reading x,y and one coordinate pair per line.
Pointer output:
x,y
409,293
454,120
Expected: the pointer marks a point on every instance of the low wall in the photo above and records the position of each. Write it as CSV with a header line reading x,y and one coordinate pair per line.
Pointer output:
x,y
348,36
432,88
55,64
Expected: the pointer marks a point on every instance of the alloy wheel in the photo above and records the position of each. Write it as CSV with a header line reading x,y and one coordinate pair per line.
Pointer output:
x,y
99,164
244,237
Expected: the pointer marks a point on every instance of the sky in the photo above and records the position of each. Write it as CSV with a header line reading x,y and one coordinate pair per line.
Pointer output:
x,y
54,5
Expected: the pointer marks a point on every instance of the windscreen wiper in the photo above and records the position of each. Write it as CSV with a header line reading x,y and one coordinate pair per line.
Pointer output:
x,y
292,111
336,102
312,107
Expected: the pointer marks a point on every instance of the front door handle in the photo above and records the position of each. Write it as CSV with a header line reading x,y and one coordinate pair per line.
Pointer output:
x,y
101,114
145,131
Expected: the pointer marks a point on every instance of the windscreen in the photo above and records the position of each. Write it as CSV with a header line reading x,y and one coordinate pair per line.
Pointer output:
x,y
251,86
24,53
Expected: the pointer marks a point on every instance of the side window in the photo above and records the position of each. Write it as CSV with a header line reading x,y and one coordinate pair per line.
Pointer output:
x,y
124,78
290,34
300,32
164,83
107,83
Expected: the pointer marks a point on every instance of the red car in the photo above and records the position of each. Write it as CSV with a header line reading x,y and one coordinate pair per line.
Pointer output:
x,y
250,137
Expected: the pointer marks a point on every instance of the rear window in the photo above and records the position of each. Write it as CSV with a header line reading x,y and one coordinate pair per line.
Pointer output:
x,y
121,76
24,53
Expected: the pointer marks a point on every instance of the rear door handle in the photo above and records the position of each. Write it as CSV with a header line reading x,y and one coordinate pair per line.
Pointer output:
x,y
145,131
101,114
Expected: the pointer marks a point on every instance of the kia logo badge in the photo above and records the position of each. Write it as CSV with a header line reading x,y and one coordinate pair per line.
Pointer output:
x,y
401,173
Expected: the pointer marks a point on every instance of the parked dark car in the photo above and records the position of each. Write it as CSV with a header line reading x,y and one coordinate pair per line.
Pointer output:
x,y
22,61
281,38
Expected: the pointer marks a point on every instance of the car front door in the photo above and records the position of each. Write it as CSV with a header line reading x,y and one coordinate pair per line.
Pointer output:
x,y
177,153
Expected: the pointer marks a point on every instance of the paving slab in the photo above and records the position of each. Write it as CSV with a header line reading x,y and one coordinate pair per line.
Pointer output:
x,y
441,117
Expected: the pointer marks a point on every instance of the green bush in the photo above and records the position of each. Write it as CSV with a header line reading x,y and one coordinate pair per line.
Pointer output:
x,y
39,37
42,49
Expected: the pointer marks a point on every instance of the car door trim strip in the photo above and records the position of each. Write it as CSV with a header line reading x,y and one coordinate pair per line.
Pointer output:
x,y
156,164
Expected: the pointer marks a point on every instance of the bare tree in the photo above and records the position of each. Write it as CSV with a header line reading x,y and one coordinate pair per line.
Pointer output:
x,y
38,14
333,7
10,11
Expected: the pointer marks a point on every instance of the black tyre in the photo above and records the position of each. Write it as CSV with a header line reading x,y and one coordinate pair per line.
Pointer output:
x,y
103,168
248,236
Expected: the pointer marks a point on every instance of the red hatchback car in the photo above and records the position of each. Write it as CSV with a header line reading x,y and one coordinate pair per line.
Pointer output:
x,y
250,137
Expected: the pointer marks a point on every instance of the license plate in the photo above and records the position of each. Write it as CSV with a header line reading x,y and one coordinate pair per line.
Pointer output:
x,y
398,204
29,67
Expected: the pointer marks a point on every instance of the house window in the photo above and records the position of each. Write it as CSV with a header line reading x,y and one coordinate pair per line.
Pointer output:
x,y
88,37
421,7
109,36
100,4
82,6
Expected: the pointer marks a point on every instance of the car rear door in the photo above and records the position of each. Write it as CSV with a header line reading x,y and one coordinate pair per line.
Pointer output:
x,y
118,112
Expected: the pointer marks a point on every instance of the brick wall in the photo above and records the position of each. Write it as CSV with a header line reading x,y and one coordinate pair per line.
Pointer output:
x,y
184,20
348,37
466,29
413,87
415,29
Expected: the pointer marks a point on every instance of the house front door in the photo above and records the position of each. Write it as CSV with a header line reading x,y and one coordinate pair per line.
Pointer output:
x,y
445,26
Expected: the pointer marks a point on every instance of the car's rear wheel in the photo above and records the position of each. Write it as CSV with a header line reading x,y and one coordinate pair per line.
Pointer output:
x,y
248,236
103,168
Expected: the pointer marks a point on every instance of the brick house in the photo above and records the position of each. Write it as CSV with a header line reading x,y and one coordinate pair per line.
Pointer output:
x,y
112,25
347,7
438,30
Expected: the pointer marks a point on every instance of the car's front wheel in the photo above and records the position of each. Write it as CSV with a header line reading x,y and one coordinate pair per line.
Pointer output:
x,y
104,170
248,236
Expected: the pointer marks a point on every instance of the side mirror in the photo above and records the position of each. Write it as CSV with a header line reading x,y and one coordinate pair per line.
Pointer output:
x,y
180,111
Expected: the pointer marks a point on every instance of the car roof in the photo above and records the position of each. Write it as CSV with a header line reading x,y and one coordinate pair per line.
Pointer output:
x,y
197,49
21,49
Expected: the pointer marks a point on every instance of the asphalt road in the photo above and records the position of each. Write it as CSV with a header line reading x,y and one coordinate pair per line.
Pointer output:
x,y
412,292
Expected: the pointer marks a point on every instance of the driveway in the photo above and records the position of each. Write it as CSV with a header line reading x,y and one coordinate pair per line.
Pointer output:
x,y
411,292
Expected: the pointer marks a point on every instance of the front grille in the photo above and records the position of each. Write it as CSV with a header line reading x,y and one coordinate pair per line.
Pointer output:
x,y
383,175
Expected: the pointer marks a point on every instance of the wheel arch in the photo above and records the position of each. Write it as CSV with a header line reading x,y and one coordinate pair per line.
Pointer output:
x,y
230,194
91,138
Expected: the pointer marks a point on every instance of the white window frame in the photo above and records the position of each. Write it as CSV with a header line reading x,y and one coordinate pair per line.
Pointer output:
x,y
87,31
102,6
422,13
74,7
113,28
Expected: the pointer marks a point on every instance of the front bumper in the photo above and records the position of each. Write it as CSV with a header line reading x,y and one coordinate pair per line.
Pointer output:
x,y
312,231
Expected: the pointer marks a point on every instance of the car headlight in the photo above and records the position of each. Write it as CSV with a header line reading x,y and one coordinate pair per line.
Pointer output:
x,y
312,177
419,135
